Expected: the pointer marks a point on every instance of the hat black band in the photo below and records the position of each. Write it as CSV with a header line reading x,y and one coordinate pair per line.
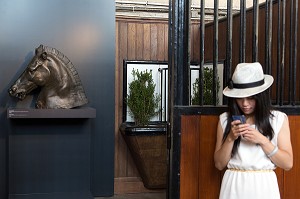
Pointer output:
x,y
249,85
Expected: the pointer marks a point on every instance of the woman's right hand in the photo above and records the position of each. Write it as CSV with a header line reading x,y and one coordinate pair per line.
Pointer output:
x,y
237,129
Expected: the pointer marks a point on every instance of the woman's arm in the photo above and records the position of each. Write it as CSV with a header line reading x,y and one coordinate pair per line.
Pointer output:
x,y
223,151
283,158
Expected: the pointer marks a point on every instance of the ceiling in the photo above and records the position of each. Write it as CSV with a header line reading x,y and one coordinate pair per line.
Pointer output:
x,y
160,8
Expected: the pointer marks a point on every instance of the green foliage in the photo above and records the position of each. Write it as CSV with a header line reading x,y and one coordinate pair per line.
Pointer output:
x,y
207,88
142,100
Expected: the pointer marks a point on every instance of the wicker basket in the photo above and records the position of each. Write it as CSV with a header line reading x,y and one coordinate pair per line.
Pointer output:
x,y
148,147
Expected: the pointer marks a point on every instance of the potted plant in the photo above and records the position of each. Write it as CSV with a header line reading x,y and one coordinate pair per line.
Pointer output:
x,y
146,139
207,88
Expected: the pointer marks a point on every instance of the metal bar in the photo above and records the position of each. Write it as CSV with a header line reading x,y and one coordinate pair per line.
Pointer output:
x,y
267,44
165,93
228,65
295,53
124,116
242,31
291,52
255,31
170,184
282,64
269,71
279,41
161,89
179,65
290,81
215,49
202,43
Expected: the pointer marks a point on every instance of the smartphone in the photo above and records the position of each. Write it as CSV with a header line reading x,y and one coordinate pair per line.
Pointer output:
x,y
242,118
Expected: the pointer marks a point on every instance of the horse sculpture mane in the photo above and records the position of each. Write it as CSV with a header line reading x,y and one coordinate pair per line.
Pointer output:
x,y
56,75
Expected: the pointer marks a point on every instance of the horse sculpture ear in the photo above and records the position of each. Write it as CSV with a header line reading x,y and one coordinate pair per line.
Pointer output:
x,y
44,55
39,49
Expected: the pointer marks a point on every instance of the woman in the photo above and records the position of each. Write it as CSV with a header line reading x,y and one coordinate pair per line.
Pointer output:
x,y
251,150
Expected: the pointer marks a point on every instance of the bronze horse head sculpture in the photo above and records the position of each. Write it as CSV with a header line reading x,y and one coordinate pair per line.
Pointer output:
x,y
58,79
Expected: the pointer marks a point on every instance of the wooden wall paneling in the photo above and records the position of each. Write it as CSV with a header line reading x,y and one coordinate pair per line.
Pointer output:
x,y
189,157
153,39
280,178
122,44
166,28
132,41
117,98
249,38
147,41
191,46
136,40
131,170
120,148
195,43
139,41
291,178
209,176
124,165
160,42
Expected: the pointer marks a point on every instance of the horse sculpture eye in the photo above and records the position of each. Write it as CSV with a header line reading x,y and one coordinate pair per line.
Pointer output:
x,y
34,68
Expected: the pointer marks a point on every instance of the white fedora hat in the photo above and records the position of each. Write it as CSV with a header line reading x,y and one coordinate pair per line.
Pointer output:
x,y
247,80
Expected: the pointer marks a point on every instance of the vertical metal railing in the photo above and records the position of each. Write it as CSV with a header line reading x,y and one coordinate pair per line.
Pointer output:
x,y
291,50
242,49
273,36
295,49
255,31
273,45
279,47
268,35
202,39
215,50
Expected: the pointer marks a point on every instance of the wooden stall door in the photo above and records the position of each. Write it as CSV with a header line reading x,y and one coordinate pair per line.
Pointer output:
x,y
198,176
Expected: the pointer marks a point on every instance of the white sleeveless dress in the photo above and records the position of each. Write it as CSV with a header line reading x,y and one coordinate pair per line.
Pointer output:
x,y
250,172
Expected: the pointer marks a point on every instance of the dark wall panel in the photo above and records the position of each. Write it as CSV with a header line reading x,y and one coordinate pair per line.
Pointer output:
x,y
84,30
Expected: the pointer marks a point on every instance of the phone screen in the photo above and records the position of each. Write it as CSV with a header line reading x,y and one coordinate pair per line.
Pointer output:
x,y
242,118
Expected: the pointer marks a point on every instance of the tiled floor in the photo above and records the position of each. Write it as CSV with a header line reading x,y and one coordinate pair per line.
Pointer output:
x,y
159,195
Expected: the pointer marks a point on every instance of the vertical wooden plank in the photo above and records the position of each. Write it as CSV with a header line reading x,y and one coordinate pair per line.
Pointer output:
x,y
192,35
131,55
166,30
280,178
117,96
153,39
147,42
131,41
196,42
291,178
209,176
121,148
189,157
139,41
160,42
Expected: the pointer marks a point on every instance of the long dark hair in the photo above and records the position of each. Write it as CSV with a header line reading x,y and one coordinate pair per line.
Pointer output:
x,y
262,114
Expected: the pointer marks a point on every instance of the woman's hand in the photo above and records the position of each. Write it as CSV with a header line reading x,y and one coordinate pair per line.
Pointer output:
x,y
254,136
238,129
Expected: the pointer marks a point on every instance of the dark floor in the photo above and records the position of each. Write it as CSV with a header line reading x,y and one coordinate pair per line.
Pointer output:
x,y
159,195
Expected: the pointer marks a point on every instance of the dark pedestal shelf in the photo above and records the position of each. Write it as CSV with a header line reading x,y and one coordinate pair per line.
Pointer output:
x,y
84,112
79,195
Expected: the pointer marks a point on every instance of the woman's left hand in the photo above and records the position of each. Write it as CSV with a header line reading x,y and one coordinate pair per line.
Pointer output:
x,y
254,136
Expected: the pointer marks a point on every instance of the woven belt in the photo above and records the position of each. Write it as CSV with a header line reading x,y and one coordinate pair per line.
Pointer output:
x,y
243,170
